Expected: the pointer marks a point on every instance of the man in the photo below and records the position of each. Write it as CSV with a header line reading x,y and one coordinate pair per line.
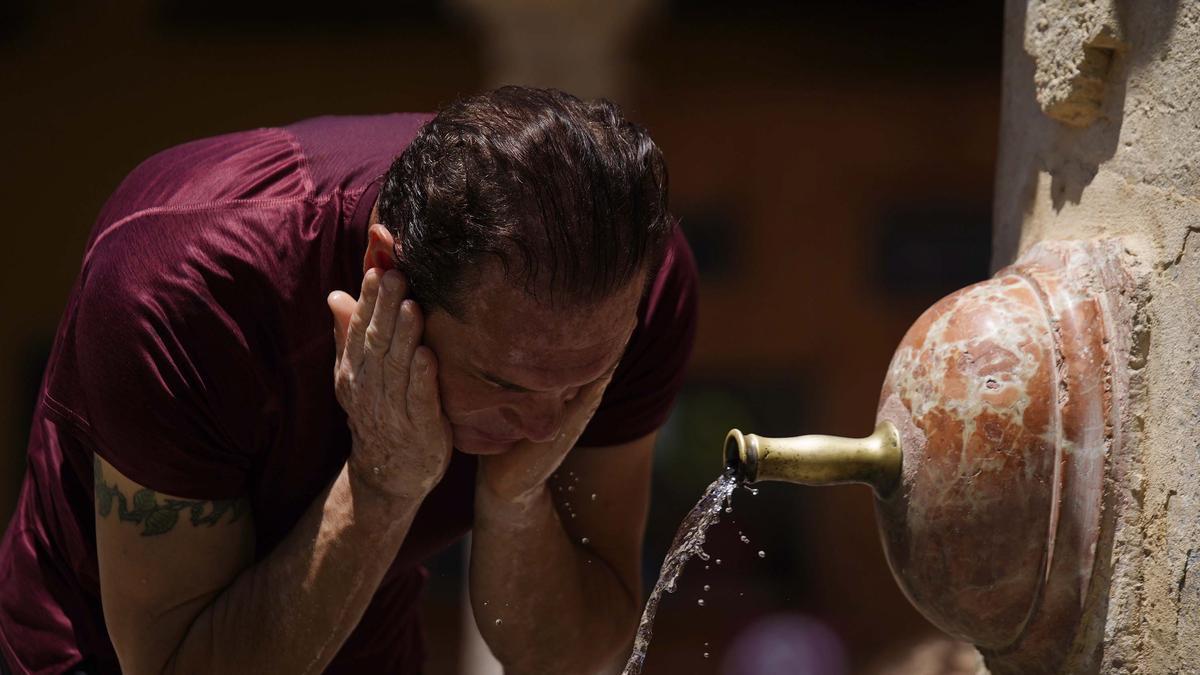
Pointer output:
x,y
203,495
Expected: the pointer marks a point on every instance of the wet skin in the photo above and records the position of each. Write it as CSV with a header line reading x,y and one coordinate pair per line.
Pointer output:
x,y
509,366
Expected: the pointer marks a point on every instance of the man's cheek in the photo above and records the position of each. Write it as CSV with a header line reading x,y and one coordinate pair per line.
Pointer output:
x,y
462,404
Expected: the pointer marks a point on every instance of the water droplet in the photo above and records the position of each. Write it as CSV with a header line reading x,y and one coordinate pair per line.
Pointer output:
x,y
700,602
706,567
728,509
753,491
485,603
702,555
705,644
498,622
741,594
584,540
570,488
745,539
572,515
718,561
593,496
762,554
706,587
706,655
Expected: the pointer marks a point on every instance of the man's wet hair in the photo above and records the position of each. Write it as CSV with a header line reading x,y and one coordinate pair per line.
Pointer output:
x,y
568,196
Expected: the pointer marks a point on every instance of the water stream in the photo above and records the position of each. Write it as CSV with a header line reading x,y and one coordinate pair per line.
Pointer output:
x,y
689,540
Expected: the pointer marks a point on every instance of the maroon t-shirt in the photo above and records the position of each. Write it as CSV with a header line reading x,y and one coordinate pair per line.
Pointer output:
x,y
195,356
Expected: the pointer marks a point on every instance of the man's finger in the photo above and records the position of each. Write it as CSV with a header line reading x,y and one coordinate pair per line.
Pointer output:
x,y
405,339
341,306
356,334
383,323
424,406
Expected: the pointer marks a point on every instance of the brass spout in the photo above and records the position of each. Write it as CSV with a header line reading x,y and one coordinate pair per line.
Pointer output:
x,y
818,460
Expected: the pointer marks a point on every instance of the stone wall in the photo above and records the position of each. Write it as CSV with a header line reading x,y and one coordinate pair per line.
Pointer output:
x,y
1100,138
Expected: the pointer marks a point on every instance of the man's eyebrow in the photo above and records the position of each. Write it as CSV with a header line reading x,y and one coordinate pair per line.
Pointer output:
x,y
505,384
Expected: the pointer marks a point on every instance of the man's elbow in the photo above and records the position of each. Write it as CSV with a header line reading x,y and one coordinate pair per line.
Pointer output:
x,y
610,649
597,649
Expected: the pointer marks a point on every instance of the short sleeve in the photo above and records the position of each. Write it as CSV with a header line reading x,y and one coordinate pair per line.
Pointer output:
x,y
651,373
166,377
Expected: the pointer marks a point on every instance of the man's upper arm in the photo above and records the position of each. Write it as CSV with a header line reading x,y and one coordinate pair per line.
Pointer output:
x,y
614,521
162,560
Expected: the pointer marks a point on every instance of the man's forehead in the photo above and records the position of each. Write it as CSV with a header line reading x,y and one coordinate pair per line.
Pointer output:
x,y
493,298
506,324
521,332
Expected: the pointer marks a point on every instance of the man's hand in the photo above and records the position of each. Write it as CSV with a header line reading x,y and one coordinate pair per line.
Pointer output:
x,y
530,560
516,475
387,384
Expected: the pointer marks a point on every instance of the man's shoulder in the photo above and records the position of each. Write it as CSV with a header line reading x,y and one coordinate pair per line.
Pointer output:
x,y
247,274
243,204
651,372
341,151
260,164
360,134
309,159
671,296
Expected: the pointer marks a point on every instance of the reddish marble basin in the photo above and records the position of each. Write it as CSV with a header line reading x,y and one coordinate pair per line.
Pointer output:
x,y
1003,394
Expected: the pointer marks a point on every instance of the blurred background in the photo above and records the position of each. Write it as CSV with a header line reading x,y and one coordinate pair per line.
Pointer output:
x,y
832,165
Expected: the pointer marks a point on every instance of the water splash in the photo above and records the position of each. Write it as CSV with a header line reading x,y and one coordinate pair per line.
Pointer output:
x,y
687,543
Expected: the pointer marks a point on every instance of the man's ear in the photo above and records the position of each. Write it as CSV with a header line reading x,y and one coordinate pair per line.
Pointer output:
x,y
380,248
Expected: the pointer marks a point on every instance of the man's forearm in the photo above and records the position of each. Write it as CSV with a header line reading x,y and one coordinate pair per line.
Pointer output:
x,y
291,612
544,603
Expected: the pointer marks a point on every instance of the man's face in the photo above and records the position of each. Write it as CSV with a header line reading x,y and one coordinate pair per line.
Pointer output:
x,y
507,371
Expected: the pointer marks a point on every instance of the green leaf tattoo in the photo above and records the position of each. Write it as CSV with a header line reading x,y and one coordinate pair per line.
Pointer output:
x,y
157,517
159,521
